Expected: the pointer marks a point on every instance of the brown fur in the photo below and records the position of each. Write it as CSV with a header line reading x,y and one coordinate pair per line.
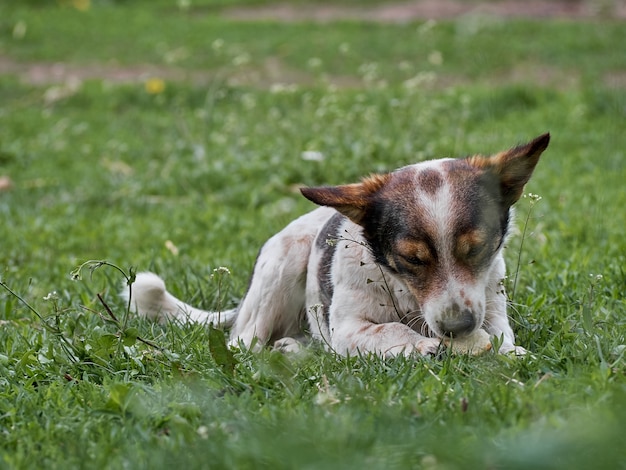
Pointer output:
x,y
350,199
429,181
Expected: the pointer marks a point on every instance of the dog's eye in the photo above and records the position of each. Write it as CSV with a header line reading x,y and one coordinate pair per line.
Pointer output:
x,y
414,260
475,251
411,252
471,245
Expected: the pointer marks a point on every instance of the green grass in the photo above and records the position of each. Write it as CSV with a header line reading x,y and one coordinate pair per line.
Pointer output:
x,y
210,165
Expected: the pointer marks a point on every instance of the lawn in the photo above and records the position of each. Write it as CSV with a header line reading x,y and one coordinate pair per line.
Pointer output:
x,y
168,136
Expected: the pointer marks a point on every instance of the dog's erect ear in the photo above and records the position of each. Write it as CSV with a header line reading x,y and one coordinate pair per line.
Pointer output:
x,y
352,200
514,167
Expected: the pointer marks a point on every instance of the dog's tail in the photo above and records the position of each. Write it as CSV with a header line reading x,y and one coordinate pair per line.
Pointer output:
x,y
149,298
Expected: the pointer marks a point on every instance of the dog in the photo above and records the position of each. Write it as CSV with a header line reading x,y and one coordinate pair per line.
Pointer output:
x,y
391,265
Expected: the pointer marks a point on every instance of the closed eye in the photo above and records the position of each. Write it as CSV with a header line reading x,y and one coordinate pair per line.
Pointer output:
x,y
473,245
414,253
414,260
475,251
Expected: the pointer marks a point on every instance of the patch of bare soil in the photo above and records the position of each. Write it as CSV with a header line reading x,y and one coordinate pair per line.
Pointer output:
x,y
69,76
402,12
47,73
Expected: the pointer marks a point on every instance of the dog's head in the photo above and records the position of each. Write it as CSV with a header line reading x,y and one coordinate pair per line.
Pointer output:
x,y
440,225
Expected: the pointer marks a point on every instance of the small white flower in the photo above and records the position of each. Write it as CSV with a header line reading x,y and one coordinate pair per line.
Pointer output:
x,y
422,78
248,100
426,27
184,4
217,45
203,432
405,66
369,71
435,58
312,156
222,270
314,63
533,197
51,296
19,30
283,88
241,59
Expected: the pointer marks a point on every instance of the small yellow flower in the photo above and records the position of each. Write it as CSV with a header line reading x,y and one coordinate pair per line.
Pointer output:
x,y
82,5
155,86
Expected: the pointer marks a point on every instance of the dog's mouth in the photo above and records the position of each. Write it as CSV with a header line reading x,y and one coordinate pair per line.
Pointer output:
x,y
416,321
453,327
458,329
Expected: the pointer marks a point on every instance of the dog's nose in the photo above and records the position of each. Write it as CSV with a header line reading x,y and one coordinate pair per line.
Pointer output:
x,y
459,324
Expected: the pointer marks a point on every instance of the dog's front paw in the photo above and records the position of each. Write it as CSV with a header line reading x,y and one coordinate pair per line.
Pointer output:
x,y
287,345
428,346
423,347
508,348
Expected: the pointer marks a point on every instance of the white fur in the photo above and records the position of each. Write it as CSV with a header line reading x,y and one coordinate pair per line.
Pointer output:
x,y
149,298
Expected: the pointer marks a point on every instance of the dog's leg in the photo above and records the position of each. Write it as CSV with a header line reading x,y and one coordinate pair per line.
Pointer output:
x,y
496,319
497,325
290,345
385,339
363,321
274,304
500,328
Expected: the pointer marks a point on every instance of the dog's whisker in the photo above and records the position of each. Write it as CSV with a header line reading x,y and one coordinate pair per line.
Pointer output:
x,y
414,321
403,318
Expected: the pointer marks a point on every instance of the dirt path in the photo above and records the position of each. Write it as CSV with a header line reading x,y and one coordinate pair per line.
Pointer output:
x,y
402,12
42,73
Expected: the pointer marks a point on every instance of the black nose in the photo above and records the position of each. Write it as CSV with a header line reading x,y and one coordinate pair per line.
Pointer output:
x,y
458,324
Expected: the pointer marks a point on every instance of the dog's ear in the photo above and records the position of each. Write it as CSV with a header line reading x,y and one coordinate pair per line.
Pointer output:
x,y
352,200
514,167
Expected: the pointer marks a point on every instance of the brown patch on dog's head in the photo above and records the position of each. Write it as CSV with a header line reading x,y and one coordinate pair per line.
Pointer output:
x,y
513,168
429,181
352,200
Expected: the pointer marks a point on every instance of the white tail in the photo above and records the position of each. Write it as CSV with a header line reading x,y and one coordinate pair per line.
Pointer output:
x,y
149,298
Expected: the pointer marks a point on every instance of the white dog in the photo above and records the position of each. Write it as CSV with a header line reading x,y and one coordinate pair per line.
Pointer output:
x,y
390,265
